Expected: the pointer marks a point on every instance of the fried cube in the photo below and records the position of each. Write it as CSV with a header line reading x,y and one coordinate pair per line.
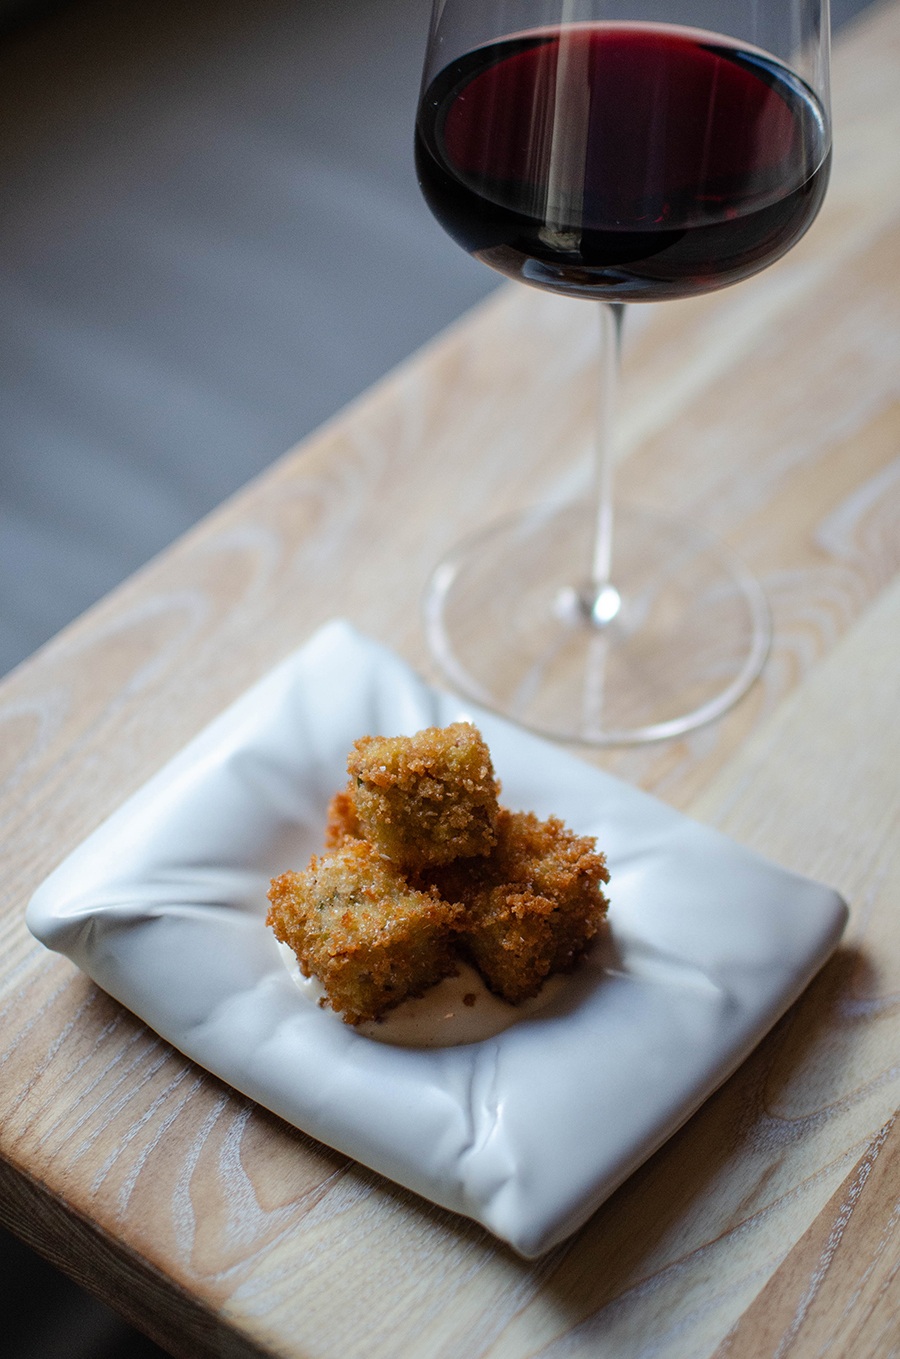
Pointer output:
x,y
355,922
342,823
425,799
532,907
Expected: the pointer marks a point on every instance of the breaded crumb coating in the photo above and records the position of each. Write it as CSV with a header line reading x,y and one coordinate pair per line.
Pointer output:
x,y
423,866
342,822
531,908
355,922
425,799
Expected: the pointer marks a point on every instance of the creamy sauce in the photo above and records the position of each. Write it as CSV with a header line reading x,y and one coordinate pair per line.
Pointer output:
x,y
458,1010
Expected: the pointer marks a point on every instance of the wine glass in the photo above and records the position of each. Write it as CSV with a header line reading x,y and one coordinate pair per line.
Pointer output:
x,y
625,151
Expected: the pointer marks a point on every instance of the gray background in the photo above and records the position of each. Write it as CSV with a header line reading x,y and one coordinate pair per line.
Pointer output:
x,y
211,239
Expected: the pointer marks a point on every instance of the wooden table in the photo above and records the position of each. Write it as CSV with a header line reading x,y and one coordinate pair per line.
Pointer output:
x,y
771,412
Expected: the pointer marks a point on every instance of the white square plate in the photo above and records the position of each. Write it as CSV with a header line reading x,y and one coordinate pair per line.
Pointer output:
x,y
527,1129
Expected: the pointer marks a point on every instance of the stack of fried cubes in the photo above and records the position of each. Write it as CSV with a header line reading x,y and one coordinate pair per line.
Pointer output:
x,y
422,866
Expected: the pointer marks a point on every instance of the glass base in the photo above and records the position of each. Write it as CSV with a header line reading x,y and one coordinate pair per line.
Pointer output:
x,y
678,640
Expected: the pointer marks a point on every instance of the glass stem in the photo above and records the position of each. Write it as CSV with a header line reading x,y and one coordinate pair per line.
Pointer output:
x,y
603,601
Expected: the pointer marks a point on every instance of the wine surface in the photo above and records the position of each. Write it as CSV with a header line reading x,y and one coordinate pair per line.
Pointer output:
x,y
624,162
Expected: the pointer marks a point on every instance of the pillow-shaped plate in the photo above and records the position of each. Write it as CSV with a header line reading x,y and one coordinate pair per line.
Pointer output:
x,y
526,1118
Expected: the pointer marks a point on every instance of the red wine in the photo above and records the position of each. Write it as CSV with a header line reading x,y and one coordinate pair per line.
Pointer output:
x,y
627,162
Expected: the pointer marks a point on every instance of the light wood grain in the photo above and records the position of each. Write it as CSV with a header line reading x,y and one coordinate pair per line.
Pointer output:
x,y
772,413
837,1291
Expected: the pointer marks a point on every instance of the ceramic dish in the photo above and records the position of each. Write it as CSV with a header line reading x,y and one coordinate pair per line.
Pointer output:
x,y
522,1119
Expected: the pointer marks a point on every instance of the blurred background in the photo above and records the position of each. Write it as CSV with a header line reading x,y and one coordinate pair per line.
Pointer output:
x,y
211,239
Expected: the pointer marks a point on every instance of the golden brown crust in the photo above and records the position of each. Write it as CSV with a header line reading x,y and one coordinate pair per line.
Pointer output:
x,y
342,822
532,907
421,865
426,799
354,921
